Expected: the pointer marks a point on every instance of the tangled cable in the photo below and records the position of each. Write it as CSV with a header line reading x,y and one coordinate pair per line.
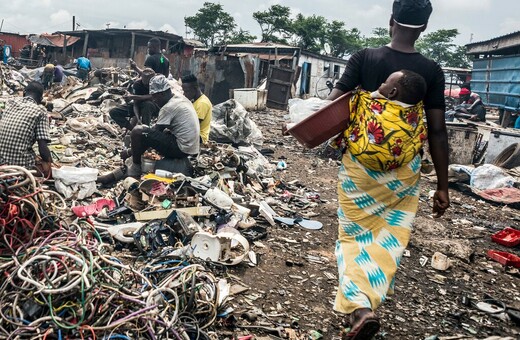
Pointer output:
x,y
27,211
67,285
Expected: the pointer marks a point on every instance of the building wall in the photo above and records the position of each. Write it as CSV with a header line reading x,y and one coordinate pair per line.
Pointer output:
x,y
318,74
216,74
17,41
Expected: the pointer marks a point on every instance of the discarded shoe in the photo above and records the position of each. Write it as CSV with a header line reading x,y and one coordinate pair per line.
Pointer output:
x,y
111,177
94,208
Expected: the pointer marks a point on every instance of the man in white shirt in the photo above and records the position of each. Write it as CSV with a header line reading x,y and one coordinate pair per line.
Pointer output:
x,y
176,133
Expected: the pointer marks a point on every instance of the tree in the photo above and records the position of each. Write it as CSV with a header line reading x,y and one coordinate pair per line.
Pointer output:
x,y
211,24
273,22
310,32
460,58
439,46
342,41
241,37
380,37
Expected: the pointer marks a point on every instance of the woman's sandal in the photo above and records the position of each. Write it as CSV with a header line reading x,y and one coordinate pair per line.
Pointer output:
x,y
365,329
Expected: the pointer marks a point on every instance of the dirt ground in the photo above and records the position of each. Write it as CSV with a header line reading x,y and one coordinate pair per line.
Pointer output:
x,y
296,277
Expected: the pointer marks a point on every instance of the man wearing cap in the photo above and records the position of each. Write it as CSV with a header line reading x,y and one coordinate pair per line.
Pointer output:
x,y
51,74
176,133
475,109
139,107
377,208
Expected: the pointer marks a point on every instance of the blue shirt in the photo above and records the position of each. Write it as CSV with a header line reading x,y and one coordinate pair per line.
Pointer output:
x,y
83,63
517,123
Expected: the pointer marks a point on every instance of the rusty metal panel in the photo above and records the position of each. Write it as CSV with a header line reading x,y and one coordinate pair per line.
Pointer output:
x,y
279,82
16,41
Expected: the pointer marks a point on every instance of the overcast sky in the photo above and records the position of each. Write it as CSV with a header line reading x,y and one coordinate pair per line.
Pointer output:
x,y
476,20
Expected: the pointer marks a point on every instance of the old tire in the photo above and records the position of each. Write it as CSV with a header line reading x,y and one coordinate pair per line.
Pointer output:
x,y
509,158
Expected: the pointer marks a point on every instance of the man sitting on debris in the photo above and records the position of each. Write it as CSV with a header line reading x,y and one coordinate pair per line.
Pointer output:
x,y
139,107
475,109
23,123
176,134
201,103
84,66
155,59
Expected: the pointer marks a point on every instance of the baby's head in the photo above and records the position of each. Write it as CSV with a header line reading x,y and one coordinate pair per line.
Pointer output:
x,y
404,86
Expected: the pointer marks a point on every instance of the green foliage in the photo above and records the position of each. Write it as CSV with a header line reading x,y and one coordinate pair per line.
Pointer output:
x,y
310,32
439,46
380,37
211,24
274,23
241,37
342,41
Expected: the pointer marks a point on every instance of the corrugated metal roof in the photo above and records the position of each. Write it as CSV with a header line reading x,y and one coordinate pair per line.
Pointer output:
x,y
256,48
194,43
505,44
54,40
115,31
499,37
258,45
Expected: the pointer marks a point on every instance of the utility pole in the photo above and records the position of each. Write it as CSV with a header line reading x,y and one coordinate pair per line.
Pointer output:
x,y
185,27
1,25
73,22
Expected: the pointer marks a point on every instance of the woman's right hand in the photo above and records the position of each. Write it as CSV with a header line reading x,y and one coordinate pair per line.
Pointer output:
x,y
441,202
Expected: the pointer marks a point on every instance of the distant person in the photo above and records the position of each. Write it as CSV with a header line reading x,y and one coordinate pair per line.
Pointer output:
x,y
201,103
474,108
176,133
474,98
155,59
59,73
47,76
51,74
23,123
83,66
404,87
139,107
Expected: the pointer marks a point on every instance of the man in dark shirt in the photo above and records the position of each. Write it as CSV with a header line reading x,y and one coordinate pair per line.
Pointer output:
x,y
140,108
155,59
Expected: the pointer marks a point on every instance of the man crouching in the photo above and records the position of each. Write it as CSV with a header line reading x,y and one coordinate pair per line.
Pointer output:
x,y
176,134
